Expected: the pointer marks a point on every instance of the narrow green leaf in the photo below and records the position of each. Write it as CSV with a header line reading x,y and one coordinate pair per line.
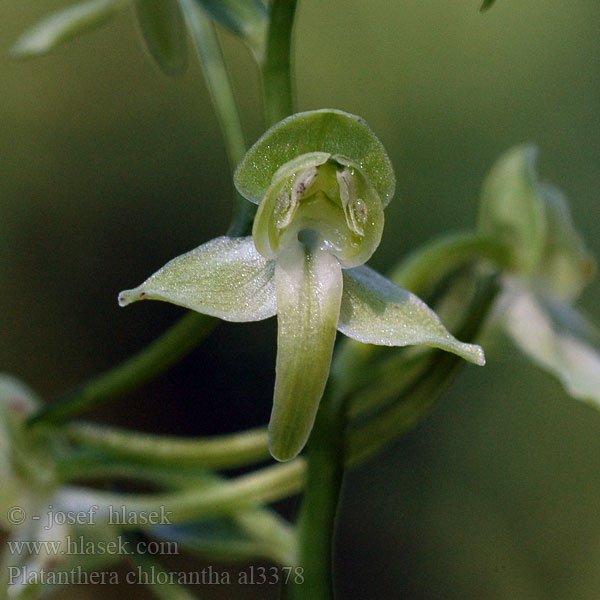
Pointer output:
x,y
376,311
327,130
225,278
309,290
163,29
246,18
556,337
64,25
512,209
487,4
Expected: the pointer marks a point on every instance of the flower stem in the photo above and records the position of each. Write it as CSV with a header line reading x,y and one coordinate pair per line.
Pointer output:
x,y
219,452
231,496
274,536
276,68
316,523
209,52
429,264
206,42
267,527
89,465
153,360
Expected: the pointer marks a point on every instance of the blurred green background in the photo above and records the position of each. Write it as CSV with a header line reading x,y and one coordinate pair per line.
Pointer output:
x,y
108,169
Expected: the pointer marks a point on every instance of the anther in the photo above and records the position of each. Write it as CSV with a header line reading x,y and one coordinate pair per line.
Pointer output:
x,y
303,183
355,210
284,209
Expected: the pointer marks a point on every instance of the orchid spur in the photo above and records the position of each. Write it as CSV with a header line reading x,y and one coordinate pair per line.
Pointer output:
x,y
321,179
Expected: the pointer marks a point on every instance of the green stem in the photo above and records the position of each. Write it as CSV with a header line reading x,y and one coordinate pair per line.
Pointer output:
x,y
277,65
270,532
242,493
387,379
316,523
86,465
222,452
425,266
209,52
153,360
266,526
401,416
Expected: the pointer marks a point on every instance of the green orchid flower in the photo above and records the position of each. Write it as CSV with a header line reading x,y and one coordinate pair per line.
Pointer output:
x,y
550,268
322,179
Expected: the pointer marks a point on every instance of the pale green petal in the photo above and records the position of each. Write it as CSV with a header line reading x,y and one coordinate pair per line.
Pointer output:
x,y
376,311
318,131
557,339
309,290
225,278
68,23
